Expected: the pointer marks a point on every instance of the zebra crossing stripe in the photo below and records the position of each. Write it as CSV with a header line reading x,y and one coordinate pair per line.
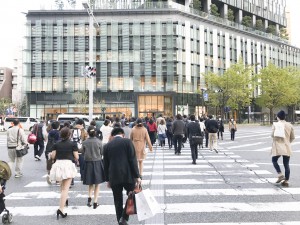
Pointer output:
x,y
210,173
198,161
242,223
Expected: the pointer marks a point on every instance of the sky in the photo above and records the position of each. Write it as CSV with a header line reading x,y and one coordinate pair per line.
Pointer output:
x,y
12,20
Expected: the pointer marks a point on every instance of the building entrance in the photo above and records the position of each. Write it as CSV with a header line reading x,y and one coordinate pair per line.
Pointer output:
x,y
154,105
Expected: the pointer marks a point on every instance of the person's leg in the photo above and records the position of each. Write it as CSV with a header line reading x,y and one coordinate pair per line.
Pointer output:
x,y
175,143
96,192
233,133
141,165
210,144
218,134
19,165
118,200
35,148
286,164
275,164
42,147
214,141
128,188
11,158
193,147
179,143
64,188
206,139
221,135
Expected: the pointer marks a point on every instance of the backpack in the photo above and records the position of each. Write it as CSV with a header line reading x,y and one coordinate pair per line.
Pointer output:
x,y
76,137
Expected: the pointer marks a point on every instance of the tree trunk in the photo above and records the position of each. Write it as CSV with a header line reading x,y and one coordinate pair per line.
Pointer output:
x,y
271,116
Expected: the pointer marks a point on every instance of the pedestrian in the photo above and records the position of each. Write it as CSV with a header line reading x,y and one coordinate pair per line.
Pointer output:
x,y
220,128
193,133
15,135
53,137
162,133
281,146
152,129
99,134
65,152
202,127
212,129
106,131
93,168
232,128
206,132
140,137
169,133
127,129
121,170
39,146
178,129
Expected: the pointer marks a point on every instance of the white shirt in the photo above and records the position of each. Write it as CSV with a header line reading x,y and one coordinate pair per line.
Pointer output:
x,y
202,126
106,131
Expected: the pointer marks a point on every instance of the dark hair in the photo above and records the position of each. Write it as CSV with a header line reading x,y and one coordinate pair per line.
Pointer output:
x,y
116,131
55,124
65,133
201,119
117,124
91,131
106,122
16,122
93,123
178,116
162,122
139,122
210,116
192,117
67,124
80,121
151,121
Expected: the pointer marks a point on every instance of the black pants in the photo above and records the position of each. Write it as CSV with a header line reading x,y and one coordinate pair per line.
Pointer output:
x,y
206,139
118,199
152,135
170,139
194,151
286,161
177,143
39,147
232,132
220,133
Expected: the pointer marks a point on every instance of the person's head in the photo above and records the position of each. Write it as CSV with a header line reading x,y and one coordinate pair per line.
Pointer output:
x,y
178,116
55,125
91,131
126,123
106,122
210,117
65,133
16,122
117,131
281,115
139,122
93,123
67,124
80,122
231,119
117,125
151,121
162,122
192,118
201,119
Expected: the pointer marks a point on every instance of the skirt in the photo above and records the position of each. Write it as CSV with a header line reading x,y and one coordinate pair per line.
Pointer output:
x,y
93,172
63,169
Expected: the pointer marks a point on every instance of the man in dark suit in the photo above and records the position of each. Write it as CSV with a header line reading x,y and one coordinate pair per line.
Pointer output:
x,y
121,170
194,133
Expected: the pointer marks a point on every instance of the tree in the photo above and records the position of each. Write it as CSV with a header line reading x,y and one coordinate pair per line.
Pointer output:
x,y
247,21
197,4
259,25
234,88
271,29
280,87
283,33
230,15
214,10
22,107
81,99
4,104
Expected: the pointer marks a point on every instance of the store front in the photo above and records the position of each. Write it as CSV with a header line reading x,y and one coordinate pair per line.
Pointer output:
x,y
154,105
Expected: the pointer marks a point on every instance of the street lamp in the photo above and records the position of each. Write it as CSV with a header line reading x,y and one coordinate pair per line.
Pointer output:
x,y
92,23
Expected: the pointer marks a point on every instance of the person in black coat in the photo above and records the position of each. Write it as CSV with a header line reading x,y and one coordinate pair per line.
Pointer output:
x,y
220,128
194,133
120,170
212,129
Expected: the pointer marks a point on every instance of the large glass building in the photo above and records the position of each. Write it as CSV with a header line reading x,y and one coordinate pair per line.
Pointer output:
x,y
150,56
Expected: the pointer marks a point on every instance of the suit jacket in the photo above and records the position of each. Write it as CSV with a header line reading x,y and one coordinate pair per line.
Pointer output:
x,y
193,129
120,163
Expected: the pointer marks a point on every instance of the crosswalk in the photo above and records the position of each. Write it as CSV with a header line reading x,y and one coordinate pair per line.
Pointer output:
x,y
221,189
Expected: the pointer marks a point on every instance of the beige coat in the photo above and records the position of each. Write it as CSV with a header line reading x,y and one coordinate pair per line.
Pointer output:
x,y
139,136
282,146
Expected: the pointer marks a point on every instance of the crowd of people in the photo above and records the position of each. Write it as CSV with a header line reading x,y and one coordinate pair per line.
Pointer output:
x,y
115,152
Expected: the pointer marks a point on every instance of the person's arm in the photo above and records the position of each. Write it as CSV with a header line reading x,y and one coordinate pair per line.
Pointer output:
x,y
23,137
292,135
148,141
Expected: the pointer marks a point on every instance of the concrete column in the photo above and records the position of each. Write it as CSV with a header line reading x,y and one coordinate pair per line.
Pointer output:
x,y
254,21
187,4
239,16
206,6
277,29
224,11
266,23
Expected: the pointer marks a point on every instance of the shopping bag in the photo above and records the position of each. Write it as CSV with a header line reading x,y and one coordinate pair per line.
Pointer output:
x,y
131,204
279,130
146,204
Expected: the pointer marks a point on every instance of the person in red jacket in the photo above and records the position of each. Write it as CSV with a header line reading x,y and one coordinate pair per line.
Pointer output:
x,y
152,129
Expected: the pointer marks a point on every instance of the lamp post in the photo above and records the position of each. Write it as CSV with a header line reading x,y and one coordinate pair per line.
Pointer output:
x,y
92,22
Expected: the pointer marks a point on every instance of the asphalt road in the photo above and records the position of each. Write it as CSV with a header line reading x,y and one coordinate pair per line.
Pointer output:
x,y
235,186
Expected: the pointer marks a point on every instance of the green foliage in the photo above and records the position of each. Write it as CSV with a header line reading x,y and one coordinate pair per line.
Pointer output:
x,y
259,25
247,21
4,104
197,4
271,29
230,15
234,88
22,107
284,34
214,10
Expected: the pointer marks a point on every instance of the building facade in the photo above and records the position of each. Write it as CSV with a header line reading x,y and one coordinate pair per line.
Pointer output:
x,y
150,56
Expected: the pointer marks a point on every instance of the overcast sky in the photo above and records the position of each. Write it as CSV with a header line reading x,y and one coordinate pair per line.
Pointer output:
x,y
12,24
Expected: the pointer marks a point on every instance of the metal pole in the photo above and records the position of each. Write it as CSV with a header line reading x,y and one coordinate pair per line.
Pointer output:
x,y
202,102
91,79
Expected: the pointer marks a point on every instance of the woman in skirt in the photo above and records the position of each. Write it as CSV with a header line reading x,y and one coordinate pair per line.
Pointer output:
x,y
64,170
93,172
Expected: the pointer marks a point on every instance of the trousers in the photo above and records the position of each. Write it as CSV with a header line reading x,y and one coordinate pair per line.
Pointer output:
x,y
12,158
286,161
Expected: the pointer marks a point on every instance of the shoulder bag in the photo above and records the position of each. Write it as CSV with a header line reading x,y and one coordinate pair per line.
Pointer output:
x,y
21,150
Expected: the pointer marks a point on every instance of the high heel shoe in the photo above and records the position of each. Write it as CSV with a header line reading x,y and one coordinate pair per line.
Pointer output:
x,y
67,203
95,205
89,202
58,212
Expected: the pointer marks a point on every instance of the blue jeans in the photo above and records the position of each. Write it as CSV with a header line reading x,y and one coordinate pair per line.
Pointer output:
x,y
286,161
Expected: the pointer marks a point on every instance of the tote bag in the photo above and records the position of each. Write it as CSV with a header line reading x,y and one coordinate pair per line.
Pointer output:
x,y
279,130
146,205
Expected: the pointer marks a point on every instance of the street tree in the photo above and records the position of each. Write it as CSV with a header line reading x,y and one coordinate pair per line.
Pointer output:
x,y
234,88
279,87
4,105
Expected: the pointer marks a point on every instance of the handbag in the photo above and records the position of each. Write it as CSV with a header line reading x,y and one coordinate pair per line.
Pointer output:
x,y
197,140
21,150
32,138
279,130
130,204
146,205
